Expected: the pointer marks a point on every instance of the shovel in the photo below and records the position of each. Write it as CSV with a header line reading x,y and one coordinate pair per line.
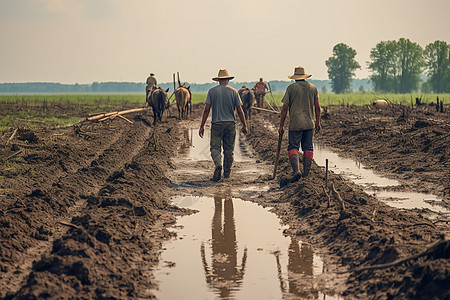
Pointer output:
x,y
280,138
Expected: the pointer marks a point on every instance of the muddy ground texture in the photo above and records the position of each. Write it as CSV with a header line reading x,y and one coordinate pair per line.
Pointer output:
x,y
85,210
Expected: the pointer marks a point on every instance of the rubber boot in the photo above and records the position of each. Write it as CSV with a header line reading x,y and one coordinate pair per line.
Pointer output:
x,y
306,165
217,173
227,168
293,159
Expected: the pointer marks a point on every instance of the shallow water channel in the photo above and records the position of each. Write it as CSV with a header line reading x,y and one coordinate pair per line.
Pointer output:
x,y
369,180
235,249
231,248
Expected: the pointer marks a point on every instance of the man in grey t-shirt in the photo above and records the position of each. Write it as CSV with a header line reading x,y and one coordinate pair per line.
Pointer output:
x,y
223,100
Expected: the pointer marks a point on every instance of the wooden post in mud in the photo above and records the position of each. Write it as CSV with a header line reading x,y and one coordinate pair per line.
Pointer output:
x,y
326,173
277,157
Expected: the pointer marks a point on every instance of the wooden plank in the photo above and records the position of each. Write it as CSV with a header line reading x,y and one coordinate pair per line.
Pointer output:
x,y
123,112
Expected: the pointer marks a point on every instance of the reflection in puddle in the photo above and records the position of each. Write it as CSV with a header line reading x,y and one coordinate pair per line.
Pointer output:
x,y
368,179
243,254
195,148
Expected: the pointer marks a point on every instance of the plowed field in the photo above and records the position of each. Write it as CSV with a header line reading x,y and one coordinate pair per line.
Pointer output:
x,y
85,209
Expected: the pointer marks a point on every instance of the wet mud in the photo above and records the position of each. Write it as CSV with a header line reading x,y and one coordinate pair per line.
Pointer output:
x,y
87,210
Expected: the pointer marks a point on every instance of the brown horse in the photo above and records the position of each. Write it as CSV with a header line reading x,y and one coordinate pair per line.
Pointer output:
x,y
158,101
247,97
183,98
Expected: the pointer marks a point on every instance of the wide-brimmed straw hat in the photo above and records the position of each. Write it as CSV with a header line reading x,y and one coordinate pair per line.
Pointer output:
x,y
299,73
223,74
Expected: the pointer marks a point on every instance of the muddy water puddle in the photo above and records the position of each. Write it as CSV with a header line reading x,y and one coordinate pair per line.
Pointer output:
x,y
235,249
369,180
231,248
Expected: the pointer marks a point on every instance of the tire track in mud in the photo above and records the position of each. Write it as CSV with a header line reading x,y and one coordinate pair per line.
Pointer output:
x,y
74,190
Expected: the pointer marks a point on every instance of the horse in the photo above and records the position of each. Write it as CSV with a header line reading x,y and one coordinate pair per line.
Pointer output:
x,y
183,98
158,101
247,97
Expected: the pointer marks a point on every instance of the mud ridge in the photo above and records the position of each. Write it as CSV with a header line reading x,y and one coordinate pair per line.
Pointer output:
x,y
367,233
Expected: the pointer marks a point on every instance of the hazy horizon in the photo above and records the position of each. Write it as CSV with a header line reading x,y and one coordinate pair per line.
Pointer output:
x,y
85,41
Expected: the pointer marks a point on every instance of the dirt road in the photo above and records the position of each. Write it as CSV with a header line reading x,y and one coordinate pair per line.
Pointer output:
x,y
84,209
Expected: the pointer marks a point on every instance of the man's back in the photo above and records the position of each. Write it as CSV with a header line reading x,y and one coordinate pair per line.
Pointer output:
x,y
300,98
223,100
260,87
151,81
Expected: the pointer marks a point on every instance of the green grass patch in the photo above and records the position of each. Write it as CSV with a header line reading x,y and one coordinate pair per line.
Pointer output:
x,y
83,99
198,97
37,111
365,99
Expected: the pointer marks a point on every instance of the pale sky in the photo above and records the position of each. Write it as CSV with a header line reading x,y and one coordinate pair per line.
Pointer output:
x,y
81,41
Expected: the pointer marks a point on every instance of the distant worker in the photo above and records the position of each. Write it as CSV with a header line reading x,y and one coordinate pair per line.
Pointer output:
x,y
260,90
223,100
302,101
151,85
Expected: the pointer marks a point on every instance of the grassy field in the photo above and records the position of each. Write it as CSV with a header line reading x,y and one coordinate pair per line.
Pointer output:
x,y
36,111
352,99
64,110
367,98
104,101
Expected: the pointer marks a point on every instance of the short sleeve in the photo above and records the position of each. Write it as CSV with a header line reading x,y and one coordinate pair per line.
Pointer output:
x,y
237,99
208,98
316,93
286,98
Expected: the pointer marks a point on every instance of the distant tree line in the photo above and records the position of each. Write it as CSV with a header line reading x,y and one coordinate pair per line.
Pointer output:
x,y
133,87
396,67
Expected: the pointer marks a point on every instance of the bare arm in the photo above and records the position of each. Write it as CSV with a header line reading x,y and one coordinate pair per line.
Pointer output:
x,y
242,118
284,111
201,131
317,113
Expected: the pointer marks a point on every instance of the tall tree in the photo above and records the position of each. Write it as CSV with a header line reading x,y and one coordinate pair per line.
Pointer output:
x,y
437,62
411,62
341,67
396,66
384,66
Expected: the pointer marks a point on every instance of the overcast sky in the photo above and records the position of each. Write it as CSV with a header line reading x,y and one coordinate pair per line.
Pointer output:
x,y
81,41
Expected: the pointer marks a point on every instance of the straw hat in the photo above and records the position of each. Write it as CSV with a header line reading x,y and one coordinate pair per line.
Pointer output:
x,y
299,73
223,74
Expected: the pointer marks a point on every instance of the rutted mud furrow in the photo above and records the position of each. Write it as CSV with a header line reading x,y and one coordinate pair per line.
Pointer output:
x,y
69,193
112,227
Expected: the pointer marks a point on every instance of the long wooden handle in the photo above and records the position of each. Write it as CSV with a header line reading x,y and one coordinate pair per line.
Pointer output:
x,y
280,138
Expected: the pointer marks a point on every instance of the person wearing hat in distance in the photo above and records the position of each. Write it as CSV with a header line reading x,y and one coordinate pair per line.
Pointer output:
x,y
151,85
223,100
301,100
